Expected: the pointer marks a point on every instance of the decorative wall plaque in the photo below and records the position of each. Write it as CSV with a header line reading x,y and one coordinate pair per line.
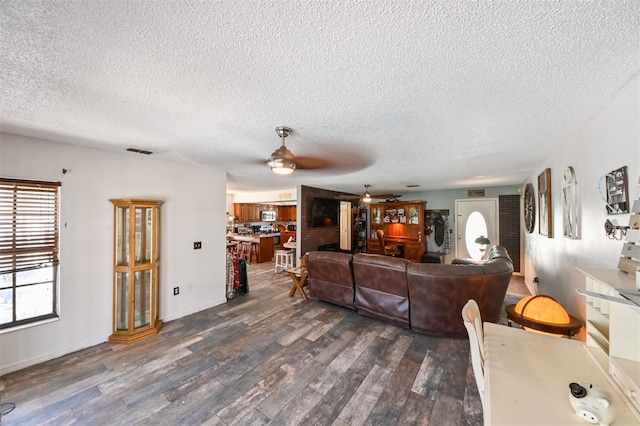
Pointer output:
x,y
617,186
569,204
544,204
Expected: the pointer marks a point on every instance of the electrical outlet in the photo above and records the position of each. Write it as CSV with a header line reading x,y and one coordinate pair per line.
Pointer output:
x,y
197,245
176,291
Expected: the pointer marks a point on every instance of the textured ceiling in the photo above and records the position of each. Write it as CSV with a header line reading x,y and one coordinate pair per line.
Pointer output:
x,y
441,94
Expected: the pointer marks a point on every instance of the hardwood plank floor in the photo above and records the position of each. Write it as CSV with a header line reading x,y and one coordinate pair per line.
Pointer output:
x,y
261,358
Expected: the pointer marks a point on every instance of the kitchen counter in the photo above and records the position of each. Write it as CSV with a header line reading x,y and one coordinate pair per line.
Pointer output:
x,y
251,237
265,244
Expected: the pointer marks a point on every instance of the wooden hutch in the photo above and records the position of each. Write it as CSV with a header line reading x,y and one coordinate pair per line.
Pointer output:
x,y
403,224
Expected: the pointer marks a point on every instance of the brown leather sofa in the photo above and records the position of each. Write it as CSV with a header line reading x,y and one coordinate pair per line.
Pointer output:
x,y
438,292
425,297
381,288
330,277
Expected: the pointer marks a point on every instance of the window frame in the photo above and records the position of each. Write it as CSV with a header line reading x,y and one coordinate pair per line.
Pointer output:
x,y
29,240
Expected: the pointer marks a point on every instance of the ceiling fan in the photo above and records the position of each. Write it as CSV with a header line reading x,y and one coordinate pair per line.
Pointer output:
x,y
283,162
367,197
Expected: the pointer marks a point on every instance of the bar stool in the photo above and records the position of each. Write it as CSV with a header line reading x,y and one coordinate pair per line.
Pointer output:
x,y
284,260
240,249
232,247
249,251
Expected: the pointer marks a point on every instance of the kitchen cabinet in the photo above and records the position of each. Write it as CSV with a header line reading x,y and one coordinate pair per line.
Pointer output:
x,y
245,212
248,212
136,270
287,213
403,224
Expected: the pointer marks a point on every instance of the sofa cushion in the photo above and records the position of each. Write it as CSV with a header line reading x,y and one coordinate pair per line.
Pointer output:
x,y
330,277
381,288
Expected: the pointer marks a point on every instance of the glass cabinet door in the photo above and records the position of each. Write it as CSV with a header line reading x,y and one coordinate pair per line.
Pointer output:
x,y
142,305
122,235
144,235
122,301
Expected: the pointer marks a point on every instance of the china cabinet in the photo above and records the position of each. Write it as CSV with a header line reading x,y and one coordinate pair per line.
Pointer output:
x,y
136,272
403,225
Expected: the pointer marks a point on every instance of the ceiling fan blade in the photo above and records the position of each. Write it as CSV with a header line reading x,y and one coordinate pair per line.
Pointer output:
x,y
310,163
385,196
348,197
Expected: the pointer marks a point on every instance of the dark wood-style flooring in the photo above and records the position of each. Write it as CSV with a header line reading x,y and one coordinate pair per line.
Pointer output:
x,y
262,358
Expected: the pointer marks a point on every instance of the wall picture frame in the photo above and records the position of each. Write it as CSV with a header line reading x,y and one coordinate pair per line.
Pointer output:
x,y
617,186
545,211
570,204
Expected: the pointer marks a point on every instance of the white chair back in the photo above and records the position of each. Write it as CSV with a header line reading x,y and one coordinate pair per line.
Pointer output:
x,y
473,324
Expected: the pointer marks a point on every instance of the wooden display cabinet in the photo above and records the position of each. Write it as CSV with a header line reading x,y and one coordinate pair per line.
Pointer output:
x,y
403,224
136,272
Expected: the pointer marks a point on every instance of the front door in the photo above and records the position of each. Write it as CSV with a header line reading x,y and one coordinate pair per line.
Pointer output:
x,y
475,218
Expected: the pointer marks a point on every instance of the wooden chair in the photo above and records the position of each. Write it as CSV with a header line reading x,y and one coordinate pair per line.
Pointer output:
x,y
473,324
387,249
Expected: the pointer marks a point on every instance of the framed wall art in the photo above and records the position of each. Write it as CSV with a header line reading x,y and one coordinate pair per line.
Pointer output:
x,y
529,210
569,204
617,187
545,215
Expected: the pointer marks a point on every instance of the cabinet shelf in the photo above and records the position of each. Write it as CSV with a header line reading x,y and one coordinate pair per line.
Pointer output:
x,y
613,330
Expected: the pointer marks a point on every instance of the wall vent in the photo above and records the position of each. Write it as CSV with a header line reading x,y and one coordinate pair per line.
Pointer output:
x,y
475,193
139,151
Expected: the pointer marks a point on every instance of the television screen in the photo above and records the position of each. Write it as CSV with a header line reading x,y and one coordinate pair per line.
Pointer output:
x,y
324,212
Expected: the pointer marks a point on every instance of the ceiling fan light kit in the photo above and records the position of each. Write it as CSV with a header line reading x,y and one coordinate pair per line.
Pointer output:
x,y
366,197
281,161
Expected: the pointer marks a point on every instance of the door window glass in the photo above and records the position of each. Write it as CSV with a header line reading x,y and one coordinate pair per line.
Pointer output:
x,y
476,226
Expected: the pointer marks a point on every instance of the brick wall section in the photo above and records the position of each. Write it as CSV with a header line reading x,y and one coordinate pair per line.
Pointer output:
x,y
314,237
509,214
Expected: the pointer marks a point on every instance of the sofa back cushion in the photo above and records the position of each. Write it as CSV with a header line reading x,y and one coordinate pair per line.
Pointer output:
x,y
497,272
381,288
438,292
330,277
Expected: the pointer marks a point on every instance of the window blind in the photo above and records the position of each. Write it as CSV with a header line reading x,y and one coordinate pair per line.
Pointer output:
x,y
28,224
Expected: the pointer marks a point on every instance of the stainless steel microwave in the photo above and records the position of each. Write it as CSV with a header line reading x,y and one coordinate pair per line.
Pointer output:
x,y
269,216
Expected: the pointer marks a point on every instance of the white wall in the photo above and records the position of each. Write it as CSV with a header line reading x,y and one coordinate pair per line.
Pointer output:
x,y
611,140
193,210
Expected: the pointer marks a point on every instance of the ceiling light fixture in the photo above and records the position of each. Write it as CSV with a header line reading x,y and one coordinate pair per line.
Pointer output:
x,y
281,161
366,197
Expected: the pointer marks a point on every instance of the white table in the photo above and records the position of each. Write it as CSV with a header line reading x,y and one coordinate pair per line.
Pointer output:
x,y
527,378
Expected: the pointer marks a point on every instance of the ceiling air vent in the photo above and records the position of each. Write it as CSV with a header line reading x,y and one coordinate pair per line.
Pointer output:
x,y
139,151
